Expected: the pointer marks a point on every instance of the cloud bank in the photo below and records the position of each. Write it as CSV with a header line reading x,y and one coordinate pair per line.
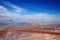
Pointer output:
x,y
16,15
4,12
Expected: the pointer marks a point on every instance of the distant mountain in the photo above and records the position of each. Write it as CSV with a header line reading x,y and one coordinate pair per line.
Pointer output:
x,y
4,23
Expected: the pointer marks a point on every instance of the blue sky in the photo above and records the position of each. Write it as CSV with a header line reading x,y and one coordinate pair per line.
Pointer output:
x,y
31,10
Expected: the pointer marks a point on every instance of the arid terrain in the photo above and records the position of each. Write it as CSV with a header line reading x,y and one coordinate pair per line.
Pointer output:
x,y
30,32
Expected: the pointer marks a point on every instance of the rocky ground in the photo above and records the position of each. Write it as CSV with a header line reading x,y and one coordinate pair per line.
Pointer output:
x,y
15,33
29,36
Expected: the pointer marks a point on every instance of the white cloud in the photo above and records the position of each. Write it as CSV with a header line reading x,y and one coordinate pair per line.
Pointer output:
x,y
41,15
37,17
12,13
4,12
16,8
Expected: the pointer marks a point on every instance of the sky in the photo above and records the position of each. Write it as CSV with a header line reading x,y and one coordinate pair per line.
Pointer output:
x,y
30,10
